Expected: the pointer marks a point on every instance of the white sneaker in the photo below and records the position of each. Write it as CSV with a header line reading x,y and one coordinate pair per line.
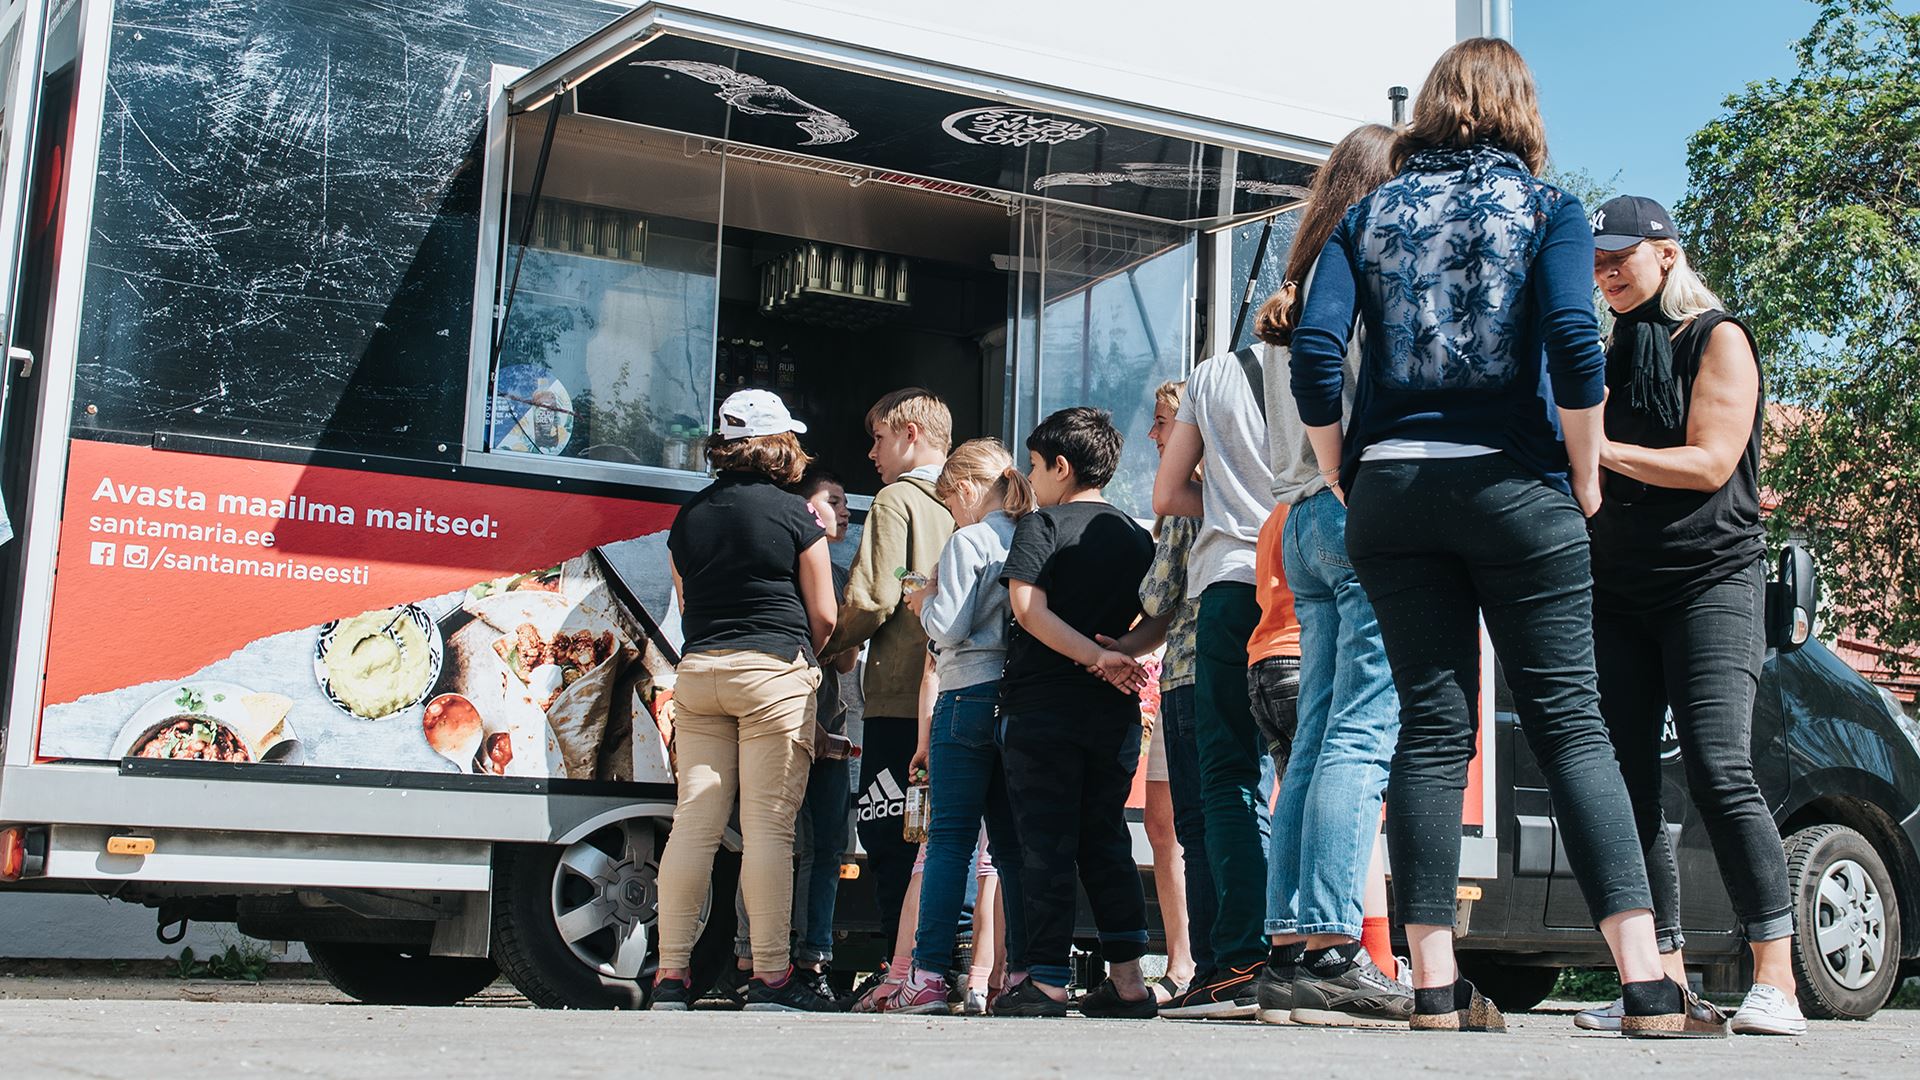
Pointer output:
x,y
1769,1010
1604,1018
976,1003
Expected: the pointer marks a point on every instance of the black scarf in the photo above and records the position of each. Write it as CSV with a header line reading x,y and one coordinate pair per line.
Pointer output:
x,y
1643,342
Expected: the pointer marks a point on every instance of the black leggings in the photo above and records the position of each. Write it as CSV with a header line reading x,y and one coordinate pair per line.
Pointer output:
x,y
1703,658
1492,540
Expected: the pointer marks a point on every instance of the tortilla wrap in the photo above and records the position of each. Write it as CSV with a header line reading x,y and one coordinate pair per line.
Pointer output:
x,y
500,698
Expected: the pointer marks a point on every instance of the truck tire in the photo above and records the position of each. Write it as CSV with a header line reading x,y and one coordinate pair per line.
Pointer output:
x,y
399,975
575,927
1512,986
1846,944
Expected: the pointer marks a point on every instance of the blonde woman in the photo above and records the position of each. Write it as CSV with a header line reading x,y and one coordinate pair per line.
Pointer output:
x,y
1679,586
1469,466
1175,817
757,603
965,614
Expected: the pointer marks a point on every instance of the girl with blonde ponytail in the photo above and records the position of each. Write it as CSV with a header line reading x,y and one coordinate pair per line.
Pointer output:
x,y
965,613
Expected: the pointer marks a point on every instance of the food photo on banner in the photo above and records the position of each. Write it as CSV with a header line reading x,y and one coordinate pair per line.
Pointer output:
x,y
347,619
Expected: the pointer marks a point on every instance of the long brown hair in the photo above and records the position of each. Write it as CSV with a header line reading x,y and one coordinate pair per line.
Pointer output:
x,y
1479,91
1359,163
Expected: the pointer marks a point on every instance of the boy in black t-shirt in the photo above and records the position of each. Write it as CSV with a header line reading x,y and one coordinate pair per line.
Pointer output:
x,y
1070,720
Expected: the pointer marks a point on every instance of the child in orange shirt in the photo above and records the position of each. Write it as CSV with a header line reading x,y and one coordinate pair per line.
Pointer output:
x,y
1273,652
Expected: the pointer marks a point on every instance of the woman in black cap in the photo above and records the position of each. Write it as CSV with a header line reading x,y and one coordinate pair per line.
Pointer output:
x,y
1680,585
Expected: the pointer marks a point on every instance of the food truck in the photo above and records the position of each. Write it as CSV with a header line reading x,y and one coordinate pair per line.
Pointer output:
x,y
359,355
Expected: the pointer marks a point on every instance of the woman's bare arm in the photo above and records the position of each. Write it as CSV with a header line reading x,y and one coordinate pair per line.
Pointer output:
x,y
1720,420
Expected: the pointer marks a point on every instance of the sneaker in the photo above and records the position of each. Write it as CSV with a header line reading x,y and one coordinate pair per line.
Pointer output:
x,y
1226,995
1697,1019
1472,1011
1361,996
875,999
1604,1018
822,981
1104,1002
975,1003
731,986
916,998
794,994
994,994
862,988
1273,996
671,995
1028,1000
1769,1010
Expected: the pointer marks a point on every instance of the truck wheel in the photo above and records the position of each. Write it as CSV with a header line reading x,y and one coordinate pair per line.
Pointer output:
x,y
1846,945
397,975
576,927
1514,987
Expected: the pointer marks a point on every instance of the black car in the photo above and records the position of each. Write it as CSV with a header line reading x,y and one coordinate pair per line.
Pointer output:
x,y
1839,763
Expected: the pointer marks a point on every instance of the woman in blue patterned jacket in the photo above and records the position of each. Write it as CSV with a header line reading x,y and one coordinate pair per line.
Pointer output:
x,y
1469,466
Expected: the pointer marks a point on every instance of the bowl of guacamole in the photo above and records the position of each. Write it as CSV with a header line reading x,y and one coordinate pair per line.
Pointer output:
x,y
380,662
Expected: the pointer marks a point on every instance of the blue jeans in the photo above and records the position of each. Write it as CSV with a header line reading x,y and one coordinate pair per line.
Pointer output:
x,y
1349,718
817,874
966,783
1190,820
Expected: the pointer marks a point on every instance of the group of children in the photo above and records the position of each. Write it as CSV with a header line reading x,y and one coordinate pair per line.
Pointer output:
x,y
1008,679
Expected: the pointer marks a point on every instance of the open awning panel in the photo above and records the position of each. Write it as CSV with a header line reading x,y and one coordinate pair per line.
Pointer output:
x,y
722,91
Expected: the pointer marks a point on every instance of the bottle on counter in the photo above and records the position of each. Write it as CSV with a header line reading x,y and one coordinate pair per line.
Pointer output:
x,y
786,369
762,375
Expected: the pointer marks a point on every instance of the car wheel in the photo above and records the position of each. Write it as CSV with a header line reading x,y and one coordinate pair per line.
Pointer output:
x,y
399,975
1846,947
1513,987
576,927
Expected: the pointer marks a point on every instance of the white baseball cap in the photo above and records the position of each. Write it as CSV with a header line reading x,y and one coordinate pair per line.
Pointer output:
x,y
747,413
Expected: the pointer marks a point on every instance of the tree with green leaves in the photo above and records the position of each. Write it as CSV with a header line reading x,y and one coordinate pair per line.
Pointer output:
x,y
1803,209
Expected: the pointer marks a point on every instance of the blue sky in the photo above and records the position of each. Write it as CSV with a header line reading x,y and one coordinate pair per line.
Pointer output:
x,y
1623,85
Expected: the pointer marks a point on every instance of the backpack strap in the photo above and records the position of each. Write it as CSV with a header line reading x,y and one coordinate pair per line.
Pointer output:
x,y
1250,367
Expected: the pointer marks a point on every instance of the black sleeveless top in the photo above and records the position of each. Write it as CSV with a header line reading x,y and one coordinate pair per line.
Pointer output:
x,y
1656,548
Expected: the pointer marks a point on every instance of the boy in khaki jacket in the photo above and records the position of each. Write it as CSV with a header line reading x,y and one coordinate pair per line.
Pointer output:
x,y
906,528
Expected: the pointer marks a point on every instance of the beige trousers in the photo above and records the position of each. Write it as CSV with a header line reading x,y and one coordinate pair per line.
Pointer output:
x,y
742,724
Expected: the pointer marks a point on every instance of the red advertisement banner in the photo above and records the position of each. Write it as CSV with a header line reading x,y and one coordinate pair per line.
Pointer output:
x,y
225,609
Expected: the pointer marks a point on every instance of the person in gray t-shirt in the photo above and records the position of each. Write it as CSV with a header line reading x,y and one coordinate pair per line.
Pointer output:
x,y
1221,429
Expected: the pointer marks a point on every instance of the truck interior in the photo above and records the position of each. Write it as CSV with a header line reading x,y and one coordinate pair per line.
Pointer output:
x,y
685,217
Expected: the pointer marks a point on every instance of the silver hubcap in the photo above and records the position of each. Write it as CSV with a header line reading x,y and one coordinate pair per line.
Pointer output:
x,y
606,898
1850,924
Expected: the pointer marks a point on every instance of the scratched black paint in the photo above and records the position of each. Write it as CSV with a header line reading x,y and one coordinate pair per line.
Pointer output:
x,y
286,216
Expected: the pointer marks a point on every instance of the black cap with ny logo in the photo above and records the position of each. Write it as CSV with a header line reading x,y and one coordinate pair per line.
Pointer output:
x,y
1623,222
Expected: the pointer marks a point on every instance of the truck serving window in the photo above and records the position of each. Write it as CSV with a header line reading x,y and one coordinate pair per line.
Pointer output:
x,y
684,216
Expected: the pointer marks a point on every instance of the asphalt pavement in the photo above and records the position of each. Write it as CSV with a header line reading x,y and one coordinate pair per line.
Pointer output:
x,y
154,1029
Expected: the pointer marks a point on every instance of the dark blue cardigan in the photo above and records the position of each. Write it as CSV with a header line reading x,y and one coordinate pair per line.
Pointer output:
x,y
1474,281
